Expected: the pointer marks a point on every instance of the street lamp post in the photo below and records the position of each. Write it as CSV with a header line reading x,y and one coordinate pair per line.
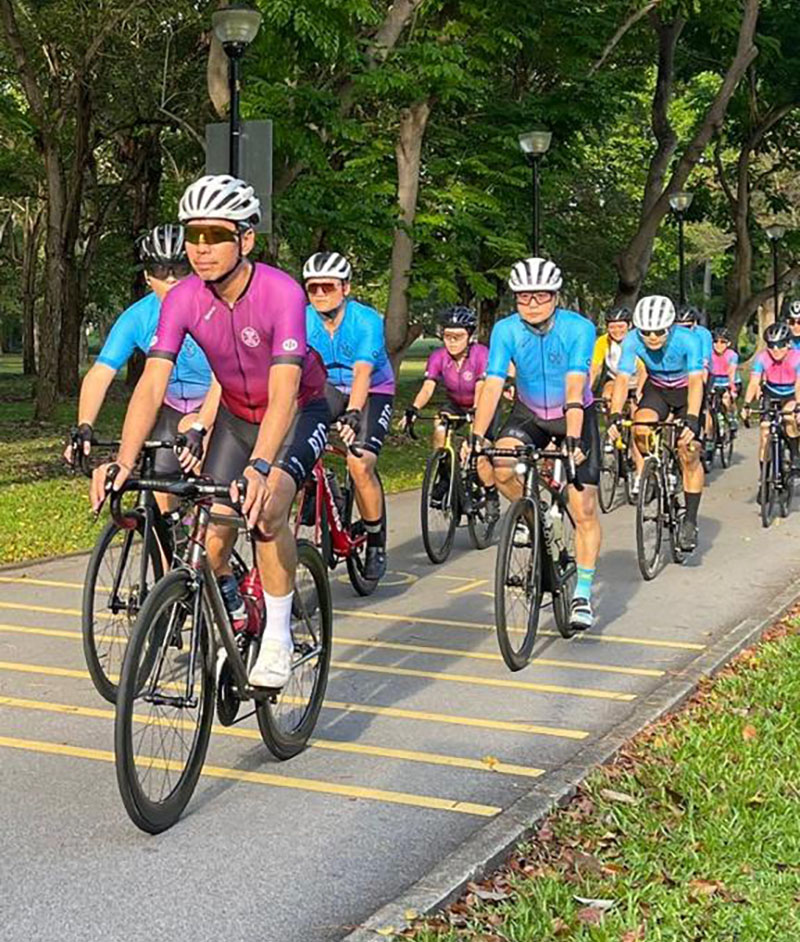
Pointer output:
x,y
680,203
235,27
775,233
535,144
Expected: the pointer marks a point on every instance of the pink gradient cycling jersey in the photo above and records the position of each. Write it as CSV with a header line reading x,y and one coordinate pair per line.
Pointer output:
x,y
265,325
721,366
459,382
779,376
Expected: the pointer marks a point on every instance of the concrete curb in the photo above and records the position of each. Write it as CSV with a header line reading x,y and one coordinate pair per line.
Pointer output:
x,y
489,847
9,567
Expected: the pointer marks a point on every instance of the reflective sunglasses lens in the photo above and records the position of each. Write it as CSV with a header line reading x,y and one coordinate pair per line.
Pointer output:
x,y
209,235
326,288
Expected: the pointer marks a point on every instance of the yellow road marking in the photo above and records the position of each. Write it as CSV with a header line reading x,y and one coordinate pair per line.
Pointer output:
x,y
407,755
410,619
476,680
510,726
388,645
468,587
264,778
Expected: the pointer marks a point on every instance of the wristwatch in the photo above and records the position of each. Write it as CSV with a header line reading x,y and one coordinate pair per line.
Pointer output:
x,y
261,465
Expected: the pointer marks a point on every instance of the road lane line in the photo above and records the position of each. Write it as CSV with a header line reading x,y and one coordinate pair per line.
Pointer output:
x,y
509,726
476,680
265,778
389,646
407,755
412,620
475,584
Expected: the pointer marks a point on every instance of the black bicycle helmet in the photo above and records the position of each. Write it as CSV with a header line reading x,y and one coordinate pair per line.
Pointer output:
x,y
689,315
620,314
722,333
163,245
458,315
777,333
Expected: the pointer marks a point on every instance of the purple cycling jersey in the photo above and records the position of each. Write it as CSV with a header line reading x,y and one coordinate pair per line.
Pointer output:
x,y
778,376
266,325
459,382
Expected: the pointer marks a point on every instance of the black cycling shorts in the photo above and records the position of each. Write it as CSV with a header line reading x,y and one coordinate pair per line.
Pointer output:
x,y
166,427
376,416
665,399
767,398
232,440
530,429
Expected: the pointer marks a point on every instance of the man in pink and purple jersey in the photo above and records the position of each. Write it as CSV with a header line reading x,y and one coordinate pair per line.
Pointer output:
x,y
776,374
269,412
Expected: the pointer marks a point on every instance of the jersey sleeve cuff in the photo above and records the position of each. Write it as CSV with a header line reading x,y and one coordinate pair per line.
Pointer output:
x,y
162,355
287,360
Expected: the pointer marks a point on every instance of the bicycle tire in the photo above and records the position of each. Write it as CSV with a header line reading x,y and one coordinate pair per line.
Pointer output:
x,y
787,490
104,668
438,551
286,744
677,511
480,528
726,441
518,657
154,816
649,509
609,473
356,562
766,492
562,597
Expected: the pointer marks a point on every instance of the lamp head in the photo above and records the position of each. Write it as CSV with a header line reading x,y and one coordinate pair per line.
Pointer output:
x,y
535,143
681,201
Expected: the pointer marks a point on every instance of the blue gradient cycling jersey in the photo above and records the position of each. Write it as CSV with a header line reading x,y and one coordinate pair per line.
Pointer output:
x,y
135,329
358,339
669,366
706,343
543,359
795,342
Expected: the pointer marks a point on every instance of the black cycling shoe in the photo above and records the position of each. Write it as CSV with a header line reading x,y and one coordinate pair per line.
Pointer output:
x,y
439,491
375,565
687,535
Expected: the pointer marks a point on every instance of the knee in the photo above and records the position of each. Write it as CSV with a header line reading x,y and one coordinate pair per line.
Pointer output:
x,y
504,474
361,470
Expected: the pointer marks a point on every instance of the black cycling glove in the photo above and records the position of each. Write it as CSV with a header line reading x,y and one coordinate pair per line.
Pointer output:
x,y
194,441
351,418
692,422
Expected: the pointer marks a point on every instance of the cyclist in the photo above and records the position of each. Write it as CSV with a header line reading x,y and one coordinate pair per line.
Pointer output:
x,y
460,365
792,317
673,358
724,365
605,362
348,335
692,318
776,373
163,255
551,348
271,423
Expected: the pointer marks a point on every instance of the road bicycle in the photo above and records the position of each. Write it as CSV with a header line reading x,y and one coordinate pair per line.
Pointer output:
x,y
452,489
169,685
330,509
616,461
723,430
776,479
662,503
536,551
125,564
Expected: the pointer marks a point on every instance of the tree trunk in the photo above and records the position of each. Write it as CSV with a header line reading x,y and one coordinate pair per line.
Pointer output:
x,y
413,122
30,259
739,316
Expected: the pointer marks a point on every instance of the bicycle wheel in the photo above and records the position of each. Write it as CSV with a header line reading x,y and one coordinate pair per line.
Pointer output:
x,y
787,489
725,440
677,509
287,723
439,521
479,525
609,473
168,677
564,574
357,560
649,520
113,594
766,492
518,583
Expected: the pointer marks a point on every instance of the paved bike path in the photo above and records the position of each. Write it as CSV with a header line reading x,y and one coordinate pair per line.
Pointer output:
x,y
425,737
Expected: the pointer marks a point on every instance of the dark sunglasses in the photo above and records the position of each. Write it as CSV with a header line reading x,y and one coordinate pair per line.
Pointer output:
x,y
210,235
326,287
794,319
777,345
653,333
162,272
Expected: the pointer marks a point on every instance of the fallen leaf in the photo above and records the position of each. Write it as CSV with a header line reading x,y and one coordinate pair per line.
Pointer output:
x,y
587,863
590,915
701,888
491,761
560,927
484,893
385,930
610,795
749,732
633,935
757,799
602,904
410,915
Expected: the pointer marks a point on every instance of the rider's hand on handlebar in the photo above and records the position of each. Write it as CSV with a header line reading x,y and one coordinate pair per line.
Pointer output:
x,y
410,416
478,443
258,493
190,456
613,426
574,449
347,425
80,442
690,431
105,477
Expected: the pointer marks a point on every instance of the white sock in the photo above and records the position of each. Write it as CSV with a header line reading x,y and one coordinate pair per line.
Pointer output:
x,y
279,618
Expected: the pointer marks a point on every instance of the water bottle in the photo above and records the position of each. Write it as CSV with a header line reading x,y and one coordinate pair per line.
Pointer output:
x,y
234,603
253,595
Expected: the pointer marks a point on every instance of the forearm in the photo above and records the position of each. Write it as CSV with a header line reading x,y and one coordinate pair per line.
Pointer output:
x,y
478,393
208,411
752,390
576,385
694,399
490,397
93,392
424,395
362,374
274,426
620,392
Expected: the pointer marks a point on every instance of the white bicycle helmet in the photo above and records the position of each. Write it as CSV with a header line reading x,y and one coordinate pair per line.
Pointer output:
x,y
535,274
327,265
655,312
220,197
162,244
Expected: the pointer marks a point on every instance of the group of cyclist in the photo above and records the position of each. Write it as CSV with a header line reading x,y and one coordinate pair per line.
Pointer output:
x,y
253,370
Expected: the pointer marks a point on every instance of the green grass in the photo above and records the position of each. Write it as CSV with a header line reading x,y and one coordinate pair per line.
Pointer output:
x,y
44,508
692,834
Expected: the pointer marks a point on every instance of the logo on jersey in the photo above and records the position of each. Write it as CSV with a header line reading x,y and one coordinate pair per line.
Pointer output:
x,y
154,341
250,337
209,312
467,374
290,345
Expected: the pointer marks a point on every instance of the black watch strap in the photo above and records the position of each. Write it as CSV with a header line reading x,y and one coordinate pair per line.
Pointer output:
x,y
261,465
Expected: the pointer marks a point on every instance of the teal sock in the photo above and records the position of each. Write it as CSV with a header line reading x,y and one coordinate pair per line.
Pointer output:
x,y
583,587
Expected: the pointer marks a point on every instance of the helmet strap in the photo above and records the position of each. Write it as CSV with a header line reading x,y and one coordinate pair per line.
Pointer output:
x,y
335,312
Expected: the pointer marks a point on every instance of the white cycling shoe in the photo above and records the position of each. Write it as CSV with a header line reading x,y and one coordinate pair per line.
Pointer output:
x,y
273,666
